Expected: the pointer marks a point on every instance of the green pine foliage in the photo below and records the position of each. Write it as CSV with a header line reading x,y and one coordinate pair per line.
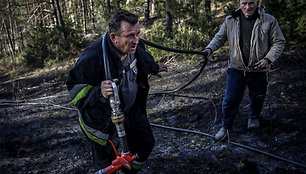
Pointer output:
x,y
158,36
36,51
291,15
46,45
193,26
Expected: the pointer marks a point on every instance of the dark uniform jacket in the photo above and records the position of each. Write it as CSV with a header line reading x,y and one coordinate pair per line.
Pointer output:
x,y
84,86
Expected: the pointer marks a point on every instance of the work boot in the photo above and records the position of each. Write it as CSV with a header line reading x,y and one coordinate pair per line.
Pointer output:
x,y
253,123
222,132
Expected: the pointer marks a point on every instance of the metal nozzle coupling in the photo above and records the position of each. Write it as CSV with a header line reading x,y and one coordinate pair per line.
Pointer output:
x,y
117,116
117,119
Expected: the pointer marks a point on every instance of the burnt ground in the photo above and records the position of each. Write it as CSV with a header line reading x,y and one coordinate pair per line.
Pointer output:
x,y
36,137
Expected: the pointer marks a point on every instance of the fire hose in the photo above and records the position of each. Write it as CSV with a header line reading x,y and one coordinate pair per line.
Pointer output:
x,y
117,118
179,51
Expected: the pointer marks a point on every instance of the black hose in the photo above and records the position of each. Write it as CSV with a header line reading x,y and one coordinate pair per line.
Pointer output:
x,y
185,85
175,50
190,131
181,130
179,51
268,154
233,143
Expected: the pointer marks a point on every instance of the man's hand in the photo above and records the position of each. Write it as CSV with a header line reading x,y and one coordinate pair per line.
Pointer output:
x,y
208,52
263,63
106,88
162,68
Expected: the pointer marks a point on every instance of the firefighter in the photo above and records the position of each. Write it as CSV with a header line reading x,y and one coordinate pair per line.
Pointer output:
x,y
89,90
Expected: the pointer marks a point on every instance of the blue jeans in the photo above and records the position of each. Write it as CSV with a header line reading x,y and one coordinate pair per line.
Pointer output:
x,y
236,83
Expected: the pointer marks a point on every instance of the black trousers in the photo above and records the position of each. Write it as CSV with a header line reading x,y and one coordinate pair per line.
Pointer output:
x,y
139,137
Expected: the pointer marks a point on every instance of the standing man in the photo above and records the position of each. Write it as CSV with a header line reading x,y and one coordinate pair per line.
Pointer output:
x,y
129,65
255,41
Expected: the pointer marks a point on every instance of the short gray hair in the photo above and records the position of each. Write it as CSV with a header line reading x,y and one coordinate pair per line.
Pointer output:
x,y
114,24
257,1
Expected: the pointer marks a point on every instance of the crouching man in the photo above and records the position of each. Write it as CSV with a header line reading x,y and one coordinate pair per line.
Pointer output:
x,y
129,65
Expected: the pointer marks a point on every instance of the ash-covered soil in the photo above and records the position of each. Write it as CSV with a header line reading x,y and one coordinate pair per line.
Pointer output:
x,y
38,137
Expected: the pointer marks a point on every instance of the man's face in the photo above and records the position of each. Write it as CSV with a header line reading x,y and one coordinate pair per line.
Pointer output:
x,y
248,7
127,41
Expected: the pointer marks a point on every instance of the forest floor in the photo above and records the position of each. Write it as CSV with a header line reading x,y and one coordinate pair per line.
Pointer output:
x,y
38,137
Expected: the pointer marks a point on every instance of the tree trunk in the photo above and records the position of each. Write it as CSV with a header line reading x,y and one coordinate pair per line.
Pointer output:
x,y
168,20
92,13
147,11
108,6
59,13
84,16
55,12
10,28
8,24
153,7
9,38
207,6
76,14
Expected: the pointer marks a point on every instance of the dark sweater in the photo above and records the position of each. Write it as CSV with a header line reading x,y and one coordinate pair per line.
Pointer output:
x,y
246,27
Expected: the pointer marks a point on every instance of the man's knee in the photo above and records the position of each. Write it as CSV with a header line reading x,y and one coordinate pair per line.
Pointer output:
x,y
231,100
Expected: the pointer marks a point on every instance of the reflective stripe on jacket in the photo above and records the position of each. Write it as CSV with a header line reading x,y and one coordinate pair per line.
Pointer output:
x,y
267,40
93,134
78,92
